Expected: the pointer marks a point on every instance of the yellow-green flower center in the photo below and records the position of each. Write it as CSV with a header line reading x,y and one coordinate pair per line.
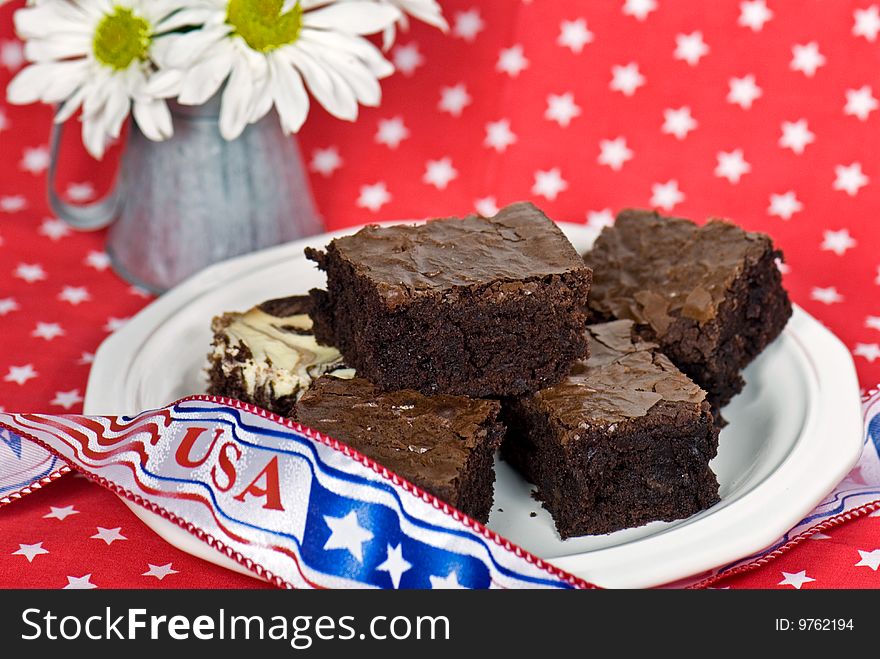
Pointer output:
x,y
262,25
121,38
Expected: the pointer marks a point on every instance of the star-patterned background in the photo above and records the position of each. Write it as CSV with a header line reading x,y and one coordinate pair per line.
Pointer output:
x,y
763,111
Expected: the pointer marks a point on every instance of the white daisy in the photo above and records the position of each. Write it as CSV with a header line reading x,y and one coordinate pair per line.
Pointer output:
x,y
95,55
268,51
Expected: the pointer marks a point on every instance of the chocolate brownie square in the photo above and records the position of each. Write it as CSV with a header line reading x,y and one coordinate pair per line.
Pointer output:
x,y
478,306
710,295
268,355
443,444
624,440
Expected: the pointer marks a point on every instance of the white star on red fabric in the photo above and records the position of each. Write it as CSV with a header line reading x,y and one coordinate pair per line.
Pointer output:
x,y
468,24
860,102
549,184
849,178
498,135
67,399
12,203
80,191
439,173
869,559
109,535
869,351
137,291
325,161
678,122
732,165
347,533
486,206
20,374
86,358
7,304
449,582
743,91
753,14
614,153
512,61
11,54
600,219
626,79
784,205
54,229
866,23
74,295
34,160
391,132
837,241
394,564
30,551
80,583
407,58
690,47
806,58
47,331
827,295
639,9
30,272
113,323
60,513
873,322
98,260
454,99
574,35
796,579
666,195
561,108
796,135
783,267
159,571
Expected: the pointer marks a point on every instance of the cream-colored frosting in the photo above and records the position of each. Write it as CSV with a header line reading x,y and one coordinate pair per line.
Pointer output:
x,y
284,355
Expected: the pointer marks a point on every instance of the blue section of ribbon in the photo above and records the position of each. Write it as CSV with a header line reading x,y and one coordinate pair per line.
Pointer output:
x,y
11,440
384,525
874,431
45,464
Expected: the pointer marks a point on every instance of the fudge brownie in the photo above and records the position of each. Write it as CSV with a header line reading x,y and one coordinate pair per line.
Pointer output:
x,y
624,440
268,356
711,295
476,306
443,444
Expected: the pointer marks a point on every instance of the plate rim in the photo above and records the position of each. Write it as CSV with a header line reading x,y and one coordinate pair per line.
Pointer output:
x,y
836,412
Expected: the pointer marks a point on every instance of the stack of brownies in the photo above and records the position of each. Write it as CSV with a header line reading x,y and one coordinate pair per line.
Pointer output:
x,y
436,344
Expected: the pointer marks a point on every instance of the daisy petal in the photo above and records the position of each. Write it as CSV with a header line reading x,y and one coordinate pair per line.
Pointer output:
x,y
353,17
326,85
289,95
153,118
236,101
203,80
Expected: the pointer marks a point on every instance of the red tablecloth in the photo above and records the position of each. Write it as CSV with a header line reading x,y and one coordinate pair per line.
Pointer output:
x,y
762,111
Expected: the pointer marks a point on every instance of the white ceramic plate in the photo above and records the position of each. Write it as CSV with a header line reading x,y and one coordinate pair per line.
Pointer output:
x,y
794,432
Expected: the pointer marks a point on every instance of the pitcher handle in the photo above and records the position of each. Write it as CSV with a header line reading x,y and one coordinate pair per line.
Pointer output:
x,y
88,217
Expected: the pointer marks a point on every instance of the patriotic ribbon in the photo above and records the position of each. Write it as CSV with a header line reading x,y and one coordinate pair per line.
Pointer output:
x,y
297,508
305,511
857,494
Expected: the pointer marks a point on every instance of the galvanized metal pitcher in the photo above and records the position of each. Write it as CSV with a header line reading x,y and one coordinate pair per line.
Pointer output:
x,y
196,199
